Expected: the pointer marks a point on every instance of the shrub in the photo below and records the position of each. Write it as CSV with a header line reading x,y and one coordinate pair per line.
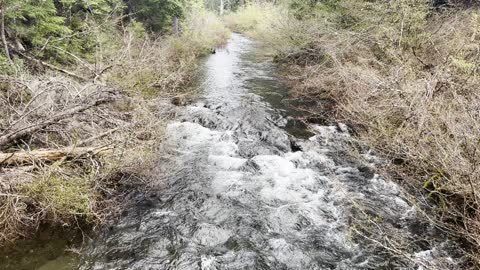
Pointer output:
x,y
254,19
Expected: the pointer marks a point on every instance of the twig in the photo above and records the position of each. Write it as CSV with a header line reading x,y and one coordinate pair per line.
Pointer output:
x,y
50,65
89,140
16,134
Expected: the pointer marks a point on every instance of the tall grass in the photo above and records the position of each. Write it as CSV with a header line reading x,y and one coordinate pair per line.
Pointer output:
x,y
405,76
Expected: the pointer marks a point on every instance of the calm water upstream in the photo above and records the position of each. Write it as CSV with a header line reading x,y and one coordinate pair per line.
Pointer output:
x,y
240,186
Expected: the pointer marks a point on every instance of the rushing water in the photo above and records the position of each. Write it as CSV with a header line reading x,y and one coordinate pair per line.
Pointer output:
x,y
240,186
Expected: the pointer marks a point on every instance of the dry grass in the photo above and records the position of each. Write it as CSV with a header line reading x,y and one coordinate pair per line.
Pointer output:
x,y
405,77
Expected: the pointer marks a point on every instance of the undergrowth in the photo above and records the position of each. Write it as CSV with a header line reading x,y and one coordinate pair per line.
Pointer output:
x,y
62,197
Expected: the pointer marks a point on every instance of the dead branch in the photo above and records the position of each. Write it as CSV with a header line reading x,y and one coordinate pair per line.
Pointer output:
x,y
49,155
77,58
89,140
16,134
30,58
12,195
99,74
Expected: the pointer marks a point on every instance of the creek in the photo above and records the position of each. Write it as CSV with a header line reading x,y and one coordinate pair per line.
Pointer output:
x,y
242,185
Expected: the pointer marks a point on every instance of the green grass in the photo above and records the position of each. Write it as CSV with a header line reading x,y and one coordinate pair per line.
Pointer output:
x,y
63,198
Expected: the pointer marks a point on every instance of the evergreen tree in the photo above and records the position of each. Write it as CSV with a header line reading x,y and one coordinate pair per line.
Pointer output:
x,y
56,29
34,23
157,15
50,28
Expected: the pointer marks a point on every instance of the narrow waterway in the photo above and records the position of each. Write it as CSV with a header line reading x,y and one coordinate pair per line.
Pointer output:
x,y
242,186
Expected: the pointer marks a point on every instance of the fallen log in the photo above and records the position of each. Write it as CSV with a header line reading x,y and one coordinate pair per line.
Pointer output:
x,y
50,155
22,132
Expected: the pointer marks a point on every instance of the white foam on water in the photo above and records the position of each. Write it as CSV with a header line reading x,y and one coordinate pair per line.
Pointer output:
x,y
226,162
208,263
294,188
211,235
288,254
188,136
227,182
283,181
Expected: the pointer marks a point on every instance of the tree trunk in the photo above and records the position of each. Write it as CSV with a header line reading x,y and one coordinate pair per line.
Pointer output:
x,y
221,7
176,26
3,9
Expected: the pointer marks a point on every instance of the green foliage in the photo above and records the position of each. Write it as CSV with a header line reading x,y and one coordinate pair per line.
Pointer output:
x,y
83,7
5,67
157,15
62,30
34,22
51,28
306,8
228,5
246,20
253,19
202,31
137,29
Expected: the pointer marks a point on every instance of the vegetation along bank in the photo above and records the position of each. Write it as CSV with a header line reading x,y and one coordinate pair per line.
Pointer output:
x,y
404,75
